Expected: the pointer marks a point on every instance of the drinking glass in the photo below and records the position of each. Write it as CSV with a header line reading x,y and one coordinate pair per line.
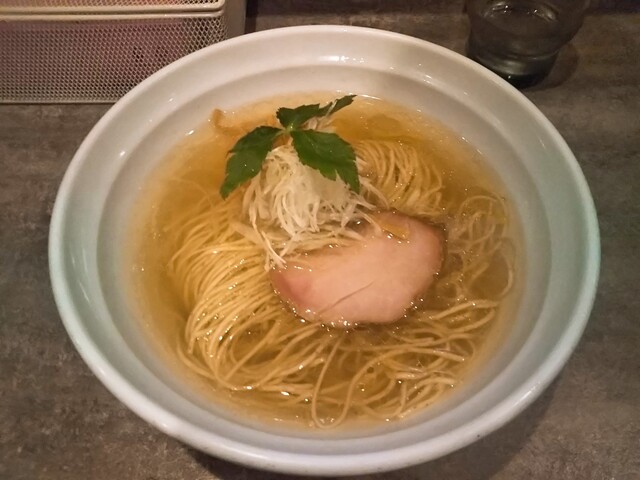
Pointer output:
x,y
520,39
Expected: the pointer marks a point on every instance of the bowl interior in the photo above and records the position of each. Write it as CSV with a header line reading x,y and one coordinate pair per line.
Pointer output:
x,y
546,187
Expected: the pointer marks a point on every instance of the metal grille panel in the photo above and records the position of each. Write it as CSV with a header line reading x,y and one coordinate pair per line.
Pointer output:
x,y
95,59
87,4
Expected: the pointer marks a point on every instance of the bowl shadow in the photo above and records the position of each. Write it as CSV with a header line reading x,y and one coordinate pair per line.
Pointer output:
x,y
478,461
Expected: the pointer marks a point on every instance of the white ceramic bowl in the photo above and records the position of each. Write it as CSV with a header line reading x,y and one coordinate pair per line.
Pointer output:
x,y
542,176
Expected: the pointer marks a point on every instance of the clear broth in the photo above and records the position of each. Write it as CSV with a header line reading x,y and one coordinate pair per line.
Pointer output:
x,y
198,162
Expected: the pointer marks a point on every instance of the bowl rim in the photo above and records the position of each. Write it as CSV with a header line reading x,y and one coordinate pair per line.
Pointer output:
x,y
275,460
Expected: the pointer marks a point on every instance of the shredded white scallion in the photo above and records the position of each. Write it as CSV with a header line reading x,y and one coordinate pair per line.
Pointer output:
x,y
289,205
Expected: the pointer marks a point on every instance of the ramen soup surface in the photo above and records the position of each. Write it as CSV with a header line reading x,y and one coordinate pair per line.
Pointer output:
x,y
205,297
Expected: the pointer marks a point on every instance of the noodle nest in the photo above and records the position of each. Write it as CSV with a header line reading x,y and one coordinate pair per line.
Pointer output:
x,y
239,334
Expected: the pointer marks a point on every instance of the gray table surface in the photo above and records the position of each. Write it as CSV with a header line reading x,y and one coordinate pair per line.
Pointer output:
x,y
58,422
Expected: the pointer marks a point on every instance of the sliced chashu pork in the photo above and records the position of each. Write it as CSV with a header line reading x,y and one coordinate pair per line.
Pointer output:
x,y
373,281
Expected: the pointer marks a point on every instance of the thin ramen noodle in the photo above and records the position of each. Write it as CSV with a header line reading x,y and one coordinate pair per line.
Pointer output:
x,y
211,300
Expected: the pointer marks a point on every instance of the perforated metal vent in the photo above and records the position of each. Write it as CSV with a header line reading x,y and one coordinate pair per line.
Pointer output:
x,y
33,6
95,57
